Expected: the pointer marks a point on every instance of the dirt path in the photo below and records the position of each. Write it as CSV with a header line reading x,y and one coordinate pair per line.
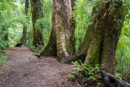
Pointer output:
x,y
23,69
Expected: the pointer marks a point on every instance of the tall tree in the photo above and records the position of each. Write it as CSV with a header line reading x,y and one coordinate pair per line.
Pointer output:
x,y
60,42
73,4
102,35
24,36
37,13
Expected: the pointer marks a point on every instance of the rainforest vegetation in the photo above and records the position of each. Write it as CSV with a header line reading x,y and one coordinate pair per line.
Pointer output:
x,y
92,35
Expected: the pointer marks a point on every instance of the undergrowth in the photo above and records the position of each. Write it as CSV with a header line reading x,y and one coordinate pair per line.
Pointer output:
x,y
2,59
89,75
35,49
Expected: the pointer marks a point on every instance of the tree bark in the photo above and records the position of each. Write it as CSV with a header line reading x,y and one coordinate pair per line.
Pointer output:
x,y
60,42
26,6
37,13
24,36
104,34
99,44
73,4
110,80
23,39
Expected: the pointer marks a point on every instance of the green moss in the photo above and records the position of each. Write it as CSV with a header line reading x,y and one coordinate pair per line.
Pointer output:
x,y
61,29
94,53
94,57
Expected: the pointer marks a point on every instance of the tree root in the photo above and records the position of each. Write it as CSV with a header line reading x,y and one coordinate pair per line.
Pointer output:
x,y
37,55
80,81
112,81
69,59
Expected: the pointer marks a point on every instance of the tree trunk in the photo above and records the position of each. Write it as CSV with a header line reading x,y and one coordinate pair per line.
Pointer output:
x,y
73,4
37,13
26,6
24,36
60,42
23,39
102,36
99,44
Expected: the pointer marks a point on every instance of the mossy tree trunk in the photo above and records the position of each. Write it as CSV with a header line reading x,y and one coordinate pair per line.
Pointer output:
x,y
73,4
99,44
37,13
60,42
24,36
23,39
102,36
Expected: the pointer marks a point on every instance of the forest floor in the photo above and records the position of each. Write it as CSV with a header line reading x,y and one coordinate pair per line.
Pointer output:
x,y
24,69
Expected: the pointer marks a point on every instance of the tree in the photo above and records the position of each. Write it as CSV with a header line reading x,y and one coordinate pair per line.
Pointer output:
x,y
37,13
23,39
60,42
73,3
102,35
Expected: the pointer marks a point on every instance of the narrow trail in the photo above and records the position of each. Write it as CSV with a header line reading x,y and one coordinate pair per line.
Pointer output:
x,y
23,69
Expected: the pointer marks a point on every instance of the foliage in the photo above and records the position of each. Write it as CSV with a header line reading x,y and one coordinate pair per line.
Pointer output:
x,y
46,20
13,18
71,76
123,50
10,20
2,59
35,49
82,18
87,73
3,45
45,29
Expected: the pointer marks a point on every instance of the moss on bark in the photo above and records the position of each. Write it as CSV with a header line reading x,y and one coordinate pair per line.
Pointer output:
x,y
61,30
37,13
99,44
106,31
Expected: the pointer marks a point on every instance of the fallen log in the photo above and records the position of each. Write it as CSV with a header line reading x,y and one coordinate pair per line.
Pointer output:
x,y
69,59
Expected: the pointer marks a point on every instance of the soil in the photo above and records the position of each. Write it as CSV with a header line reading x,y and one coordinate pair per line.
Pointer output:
x,y
24,69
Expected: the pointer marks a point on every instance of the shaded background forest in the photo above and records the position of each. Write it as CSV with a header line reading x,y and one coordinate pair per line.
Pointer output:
x,y
13,19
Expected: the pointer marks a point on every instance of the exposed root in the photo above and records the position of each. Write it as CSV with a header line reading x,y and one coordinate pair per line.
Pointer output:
x,y
69,59
112,81
80,81
37,55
